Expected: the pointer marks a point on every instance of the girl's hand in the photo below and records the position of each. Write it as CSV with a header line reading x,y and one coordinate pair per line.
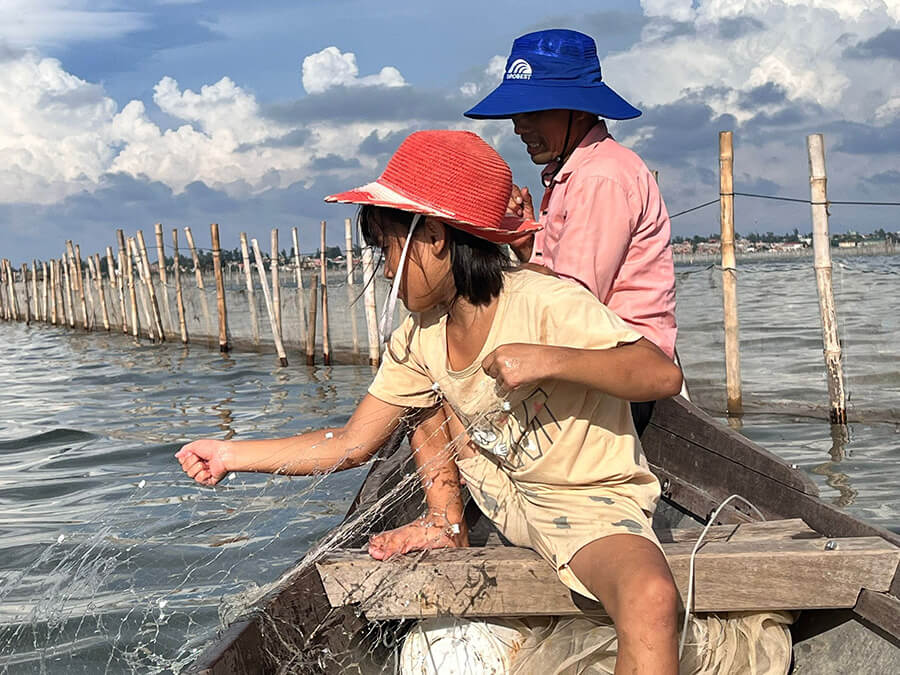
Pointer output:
x,y
204,460
517,365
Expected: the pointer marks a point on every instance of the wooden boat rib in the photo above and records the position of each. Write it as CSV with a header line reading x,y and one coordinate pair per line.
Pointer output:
x,y
699,462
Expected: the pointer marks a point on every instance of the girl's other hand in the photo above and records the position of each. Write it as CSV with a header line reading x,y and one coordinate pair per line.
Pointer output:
x,y
204,460
517,365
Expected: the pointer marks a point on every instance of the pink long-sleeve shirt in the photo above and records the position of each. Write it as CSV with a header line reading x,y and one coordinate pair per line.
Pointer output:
x,y
606,226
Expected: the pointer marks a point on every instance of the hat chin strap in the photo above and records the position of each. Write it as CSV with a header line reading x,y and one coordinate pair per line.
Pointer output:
x,y
560,159
386,325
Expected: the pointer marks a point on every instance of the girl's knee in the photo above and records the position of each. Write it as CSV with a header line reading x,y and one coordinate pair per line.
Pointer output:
x,y
651,599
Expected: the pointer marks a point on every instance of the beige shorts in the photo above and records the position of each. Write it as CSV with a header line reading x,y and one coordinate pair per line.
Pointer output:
x,y
553,521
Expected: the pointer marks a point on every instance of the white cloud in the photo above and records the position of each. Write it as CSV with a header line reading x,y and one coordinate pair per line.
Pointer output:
x,y
332,68
796,45
41,23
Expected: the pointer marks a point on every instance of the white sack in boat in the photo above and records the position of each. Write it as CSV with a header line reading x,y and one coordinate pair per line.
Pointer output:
x,y
738,643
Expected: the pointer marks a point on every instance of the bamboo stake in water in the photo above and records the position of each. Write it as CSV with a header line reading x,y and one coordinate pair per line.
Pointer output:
x,y
161,261
4,311
301,308
815,144
198,275
86,285
68,271
260,268
45,313
147,275
142,297
179,296
110,268
97,273
729,275
326,341
27,295
52,290
120,238
79,286
132,290
251,296
34,291
371,311
276,283
311,333
348,245
220,288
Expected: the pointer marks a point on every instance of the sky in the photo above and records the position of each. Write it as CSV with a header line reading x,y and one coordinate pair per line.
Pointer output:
x,y
122,114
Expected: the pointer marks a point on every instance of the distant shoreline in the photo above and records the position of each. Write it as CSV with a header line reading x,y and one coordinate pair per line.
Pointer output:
x,y
836,252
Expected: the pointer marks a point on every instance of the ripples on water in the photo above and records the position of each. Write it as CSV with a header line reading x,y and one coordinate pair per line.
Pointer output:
x,y
112,560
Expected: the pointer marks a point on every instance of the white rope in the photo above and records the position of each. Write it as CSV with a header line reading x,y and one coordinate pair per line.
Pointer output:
x,y
690,593
386,325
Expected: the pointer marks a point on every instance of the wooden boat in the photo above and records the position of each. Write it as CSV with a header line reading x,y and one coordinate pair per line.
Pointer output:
x,y
850,618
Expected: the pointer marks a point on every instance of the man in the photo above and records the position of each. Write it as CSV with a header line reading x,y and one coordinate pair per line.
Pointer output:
x,y
604,222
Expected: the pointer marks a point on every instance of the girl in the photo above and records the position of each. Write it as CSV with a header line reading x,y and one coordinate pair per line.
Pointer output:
x,y
533,375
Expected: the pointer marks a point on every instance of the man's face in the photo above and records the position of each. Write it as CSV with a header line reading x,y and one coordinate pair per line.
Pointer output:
x,y
543,133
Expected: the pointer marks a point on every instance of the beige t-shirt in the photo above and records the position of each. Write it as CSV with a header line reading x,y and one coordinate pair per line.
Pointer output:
x,y
553,435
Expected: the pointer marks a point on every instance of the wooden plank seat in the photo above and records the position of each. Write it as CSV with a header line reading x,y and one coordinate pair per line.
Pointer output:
x,y
750,566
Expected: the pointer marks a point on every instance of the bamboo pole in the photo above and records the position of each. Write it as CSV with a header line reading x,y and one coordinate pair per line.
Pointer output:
x,y
729,275
11,290
110,268
311,333
261,269
132,291
818,179
120,238
179,296
348,245
251,296
79,279
276,283
67,283
198,275
220,288
86,285
301,304
4,312
34,291
326,342
54,280
27,294
151,289
97,275
143,297
161,261
45,314
371,311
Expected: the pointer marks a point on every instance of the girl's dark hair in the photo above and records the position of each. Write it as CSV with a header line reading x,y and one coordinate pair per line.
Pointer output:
x,y
477,264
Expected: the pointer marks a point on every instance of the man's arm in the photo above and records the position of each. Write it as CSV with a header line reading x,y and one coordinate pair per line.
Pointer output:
x,y
208,460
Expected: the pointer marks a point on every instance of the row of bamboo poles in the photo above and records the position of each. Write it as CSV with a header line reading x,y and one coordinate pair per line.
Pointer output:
x,y
815,144
55,291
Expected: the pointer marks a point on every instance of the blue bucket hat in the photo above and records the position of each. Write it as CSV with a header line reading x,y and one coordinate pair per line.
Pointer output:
x,y
553,69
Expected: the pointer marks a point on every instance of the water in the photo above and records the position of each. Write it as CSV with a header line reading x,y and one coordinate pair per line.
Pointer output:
x,y
111,560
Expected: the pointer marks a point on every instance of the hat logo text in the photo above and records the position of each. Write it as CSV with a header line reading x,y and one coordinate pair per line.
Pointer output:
x,y
519,69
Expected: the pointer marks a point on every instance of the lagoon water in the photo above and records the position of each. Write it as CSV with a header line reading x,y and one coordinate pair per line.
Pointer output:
x,y
111,560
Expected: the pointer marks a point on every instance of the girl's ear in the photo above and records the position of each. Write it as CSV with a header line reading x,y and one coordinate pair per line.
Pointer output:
x,y
436,235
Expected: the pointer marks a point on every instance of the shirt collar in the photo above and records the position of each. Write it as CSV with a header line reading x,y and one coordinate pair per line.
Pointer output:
x,y
597,133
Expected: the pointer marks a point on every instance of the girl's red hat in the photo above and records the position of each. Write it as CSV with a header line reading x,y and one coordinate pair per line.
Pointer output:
x,y
451,175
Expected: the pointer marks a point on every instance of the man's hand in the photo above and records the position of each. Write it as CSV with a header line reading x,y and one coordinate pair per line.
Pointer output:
x,y
520,205
203,460
517,365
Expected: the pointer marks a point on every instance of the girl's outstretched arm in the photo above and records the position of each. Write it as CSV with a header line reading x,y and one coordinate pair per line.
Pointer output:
x,y
636,371
208,460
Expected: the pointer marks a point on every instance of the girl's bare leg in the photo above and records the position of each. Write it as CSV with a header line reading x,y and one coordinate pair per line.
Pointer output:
x,y
631,578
